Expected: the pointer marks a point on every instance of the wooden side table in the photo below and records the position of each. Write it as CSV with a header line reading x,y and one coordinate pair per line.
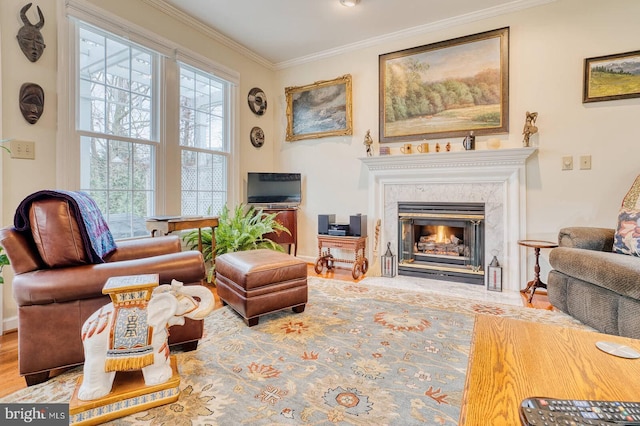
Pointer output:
x,y
536,282
289,219
357,244
171,224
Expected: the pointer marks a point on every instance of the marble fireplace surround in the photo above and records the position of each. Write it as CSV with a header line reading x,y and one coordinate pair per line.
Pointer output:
x,y
494,177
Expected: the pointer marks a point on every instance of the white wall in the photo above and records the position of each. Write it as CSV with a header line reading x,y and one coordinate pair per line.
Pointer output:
x,y
548,45
22,177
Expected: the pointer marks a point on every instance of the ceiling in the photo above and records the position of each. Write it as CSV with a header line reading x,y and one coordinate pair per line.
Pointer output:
x,y
284,31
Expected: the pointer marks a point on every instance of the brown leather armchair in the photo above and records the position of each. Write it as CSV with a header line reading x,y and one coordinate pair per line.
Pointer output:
x,y
57,289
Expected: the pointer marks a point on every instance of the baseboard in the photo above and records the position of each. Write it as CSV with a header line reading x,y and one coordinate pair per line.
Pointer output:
x,y
9,324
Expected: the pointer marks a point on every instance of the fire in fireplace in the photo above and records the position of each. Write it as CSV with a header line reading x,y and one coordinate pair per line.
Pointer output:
x,y
442,241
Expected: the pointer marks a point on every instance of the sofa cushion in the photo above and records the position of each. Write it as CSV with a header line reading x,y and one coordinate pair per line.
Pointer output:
x,y
620,274
56,234
627,235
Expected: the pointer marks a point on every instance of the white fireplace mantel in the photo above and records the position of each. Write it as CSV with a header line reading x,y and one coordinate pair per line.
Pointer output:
x,y
495,177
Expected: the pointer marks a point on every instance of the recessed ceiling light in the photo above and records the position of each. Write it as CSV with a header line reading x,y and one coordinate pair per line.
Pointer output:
x,y
349,3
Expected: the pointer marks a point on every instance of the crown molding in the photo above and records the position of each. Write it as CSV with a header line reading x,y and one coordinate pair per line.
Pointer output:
x,y
422,29
194,23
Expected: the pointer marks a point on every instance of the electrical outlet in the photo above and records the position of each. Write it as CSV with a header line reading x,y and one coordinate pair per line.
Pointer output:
x,y
567,163
585,162
23,149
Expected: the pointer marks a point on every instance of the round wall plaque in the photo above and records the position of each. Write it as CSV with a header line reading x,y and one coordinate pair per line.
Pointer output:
x,y
257,137
257,101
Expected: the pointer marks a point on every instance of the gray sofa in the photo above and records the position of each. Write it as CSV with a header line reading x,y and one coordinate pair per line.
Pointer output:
x,y
594,285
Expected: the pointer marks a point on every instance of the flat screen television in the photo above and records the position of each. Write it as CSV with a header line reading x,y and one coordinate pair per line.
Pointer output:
x,y
274,189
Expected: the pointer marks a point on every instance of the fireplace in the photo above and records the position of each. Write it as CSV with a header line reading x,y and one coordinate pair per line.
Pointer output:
x,y
495,178
441,240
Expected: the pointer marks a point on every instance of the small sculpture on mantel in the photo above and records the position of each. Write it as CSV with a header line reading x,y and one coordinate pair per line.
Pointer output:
x,y
368,141
529,127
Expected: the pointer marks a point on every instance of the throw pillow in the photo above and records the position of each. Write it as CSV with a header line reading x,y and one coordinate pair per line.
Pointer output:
x,y
56,234
627,236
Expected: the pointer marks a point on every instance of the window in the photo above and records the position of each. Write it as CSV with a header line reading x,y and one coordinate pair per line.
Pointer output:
x,y
117,128
129,141
202,141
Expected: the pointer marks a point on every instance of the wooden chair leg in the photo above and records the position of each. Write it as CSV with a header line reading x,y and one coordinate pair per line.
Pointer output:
x,y
36,378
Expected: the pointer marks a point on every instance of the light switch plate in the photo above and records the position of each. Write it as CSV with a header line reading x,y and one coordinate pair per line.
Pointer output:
x,y
567,162
23,149
585,162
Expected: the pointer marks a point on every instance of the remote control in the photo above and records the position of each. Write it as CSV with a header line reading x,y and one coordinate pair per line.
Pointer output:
x,y
540,411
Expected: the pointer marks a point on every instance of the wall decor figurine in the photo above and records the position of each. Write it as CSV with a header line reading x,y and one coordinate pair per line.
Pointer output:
x,y
257,101
257,137
31,102
529,127
368,141
29,37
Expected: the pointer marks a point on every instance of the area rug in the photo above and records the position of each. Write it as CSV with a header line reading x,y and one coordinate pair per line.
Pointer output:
x,y
358,355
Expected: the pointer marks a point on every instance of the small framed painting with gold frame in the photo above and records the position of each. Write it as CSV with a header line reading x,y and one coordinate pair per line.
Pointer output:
x,y
319,110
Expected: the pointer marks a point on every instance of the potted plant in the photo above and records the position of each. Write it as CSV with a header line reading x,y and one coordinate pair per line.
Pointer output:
x,y
244,230
4,261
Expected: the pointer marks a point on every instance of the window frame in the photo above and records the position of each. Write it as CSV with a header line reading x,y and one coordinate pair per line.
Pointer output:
x,y
167,175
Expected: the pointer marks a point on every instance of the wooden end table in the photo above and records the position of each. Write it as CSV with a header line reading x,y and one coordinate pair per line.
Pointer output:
x,y
356,244
536,282
166,226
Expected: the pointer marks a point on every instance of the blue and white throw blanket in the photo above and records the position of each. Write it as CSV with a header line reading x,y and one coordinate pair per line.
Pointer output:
x,y
94,230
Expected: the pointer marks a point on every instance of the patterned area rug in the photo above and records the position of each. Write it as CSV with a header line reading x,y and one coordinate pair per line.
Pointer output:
x,y
358,355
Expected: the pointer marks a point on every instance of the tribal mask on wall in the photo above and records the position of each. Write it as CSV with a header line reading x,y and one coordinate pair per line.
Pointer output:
x,y
31,102
29,37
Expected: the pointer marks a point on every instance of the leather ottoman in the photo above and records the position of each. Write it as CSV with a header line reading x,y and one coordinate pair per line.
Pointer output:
x,y
257,282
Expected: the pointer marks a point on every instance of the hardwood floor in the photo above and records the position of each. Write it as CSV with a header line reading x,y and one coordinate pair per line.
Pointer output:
x,y
12,381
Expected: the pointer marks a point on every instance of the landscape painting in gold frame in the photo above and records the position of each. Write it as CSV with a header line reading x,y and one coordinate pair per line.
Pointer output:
x,y
612,77
446,89
319,110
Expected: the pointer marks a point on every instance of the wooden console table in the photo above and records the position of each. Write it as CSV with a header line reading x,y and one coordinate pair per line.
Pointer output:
x,y
356,244
171,224
511,360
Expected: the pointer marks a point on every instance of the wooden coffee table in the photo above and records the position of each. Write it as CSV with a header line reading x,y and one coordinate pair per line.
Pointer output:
x,y
511,360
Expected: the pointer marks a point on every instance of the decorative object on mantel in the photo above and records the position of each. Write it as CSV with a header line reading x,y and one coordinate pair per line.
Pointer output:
x,y
257,137
448,146
494,273
29,36
493,143
529,127
368,142
385,150
388,263
437,147
406,148
423,147
469,142
31,102
257,101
